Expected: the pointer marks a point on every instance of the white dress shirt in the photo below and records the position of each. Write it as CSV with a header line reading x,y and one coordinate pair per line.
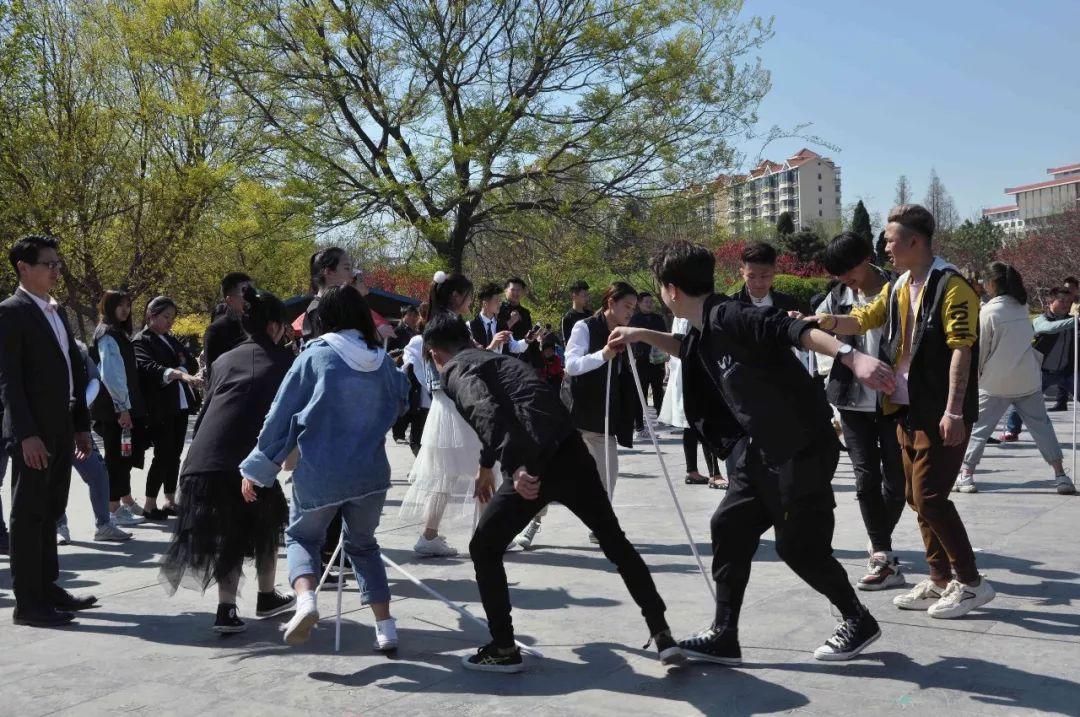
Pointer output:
x,y
50,308
517,346
168,376
578,360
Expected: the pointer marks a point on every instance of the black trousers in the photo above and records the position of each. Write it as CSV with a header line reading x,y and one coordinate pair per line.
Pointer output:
x,y
417,419
652,377
879,472
398,431
802,521
690,443
168,434
572,479
38,499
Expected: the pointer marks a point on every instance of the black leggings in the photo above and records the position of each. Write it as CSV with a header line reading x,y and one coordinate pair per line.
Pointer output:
x,y
690,446
168,434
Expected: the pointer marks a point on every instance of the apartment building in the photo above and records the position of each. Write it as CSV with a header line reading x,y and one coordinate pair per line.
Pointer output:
x,y
806,184
1032,202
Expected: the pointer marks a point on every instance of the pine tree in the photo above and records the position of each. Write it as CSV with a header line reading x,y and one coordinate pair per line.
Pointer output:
x,y
785,225
940,203
903,190
860,222
805,245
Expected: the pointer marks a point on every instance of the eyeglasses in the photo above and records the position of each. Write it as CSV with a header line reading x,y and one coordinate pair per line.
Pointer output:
x,y
52,265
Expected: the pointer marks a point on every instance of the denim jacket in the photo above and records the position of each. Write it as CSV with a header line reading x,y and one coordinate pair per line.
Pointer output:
x,y
336,404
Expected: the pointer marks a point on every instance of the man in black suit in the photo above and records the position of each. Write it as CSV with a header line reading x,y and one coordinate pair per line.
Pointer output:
x,y
490,330
43,388
225,332
406,328
516,318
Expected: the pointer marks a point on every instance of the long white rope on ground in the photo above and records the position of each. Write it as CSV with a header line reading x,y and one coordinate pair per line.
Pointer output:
x,y
667,476
607,432
339,555
1076,387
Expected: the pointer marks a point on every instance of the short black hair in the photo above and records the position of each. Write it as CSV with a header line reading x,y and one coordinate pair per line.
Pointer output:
x,y
232,280
488,290
1058,292
914,218
644,294
409,309
515,280
687,266
1070,280
28,248
759,253
579,286
342,308
447,332
845,252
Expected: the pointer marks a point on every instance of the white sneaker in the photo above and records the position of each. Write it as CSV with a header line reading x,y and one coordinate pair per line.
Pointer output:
x,y
124,517
524,539
109,533
920,597
642,435
960,599
298,629
437,547
1064,485
63,535
134,509
883,572
386,635
965,484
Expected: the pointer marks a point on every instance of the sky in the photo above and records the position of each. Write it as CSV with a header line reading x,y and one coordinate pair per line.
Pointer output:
x,y
987,93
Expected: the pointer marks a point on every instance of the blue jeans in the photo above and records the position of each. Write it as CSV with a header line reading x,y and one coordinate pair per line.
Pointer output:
x,y
92,471
360,517
1062,381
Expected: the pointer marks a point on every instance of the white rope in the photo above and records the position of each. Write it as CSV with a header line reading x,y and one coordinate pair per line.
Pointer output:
x,y
340,587
454,606
670,484
1076,380
607,432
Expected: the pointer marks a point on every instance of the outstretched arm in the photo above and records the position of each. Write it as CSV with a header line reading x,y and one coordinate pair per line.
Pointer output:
x,y
623,336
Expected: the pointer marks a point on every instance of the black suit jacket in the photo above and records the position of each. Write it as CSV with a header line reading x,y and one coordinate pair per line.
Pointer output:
x,y
152,357
244,384
479,333
782,301
224,333
34,375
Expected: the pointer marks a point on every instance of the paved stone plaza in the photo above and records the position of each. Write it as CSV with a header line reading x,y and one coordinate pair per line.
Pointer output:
x,y
143,652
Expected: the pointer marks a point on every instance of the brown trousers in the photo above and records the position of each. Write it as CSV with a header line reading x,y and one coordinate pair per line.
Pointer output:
x,y
930,469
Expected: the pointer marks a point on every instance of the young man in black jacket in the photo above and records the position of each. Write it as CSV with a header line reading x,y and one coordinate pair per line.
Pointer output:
x,y
225,332
522,421
742,382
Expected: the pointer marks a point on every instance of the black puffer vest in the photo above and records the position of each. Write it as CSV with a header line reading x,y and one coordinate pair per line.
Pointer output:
x,y
103,408
931,357
584,394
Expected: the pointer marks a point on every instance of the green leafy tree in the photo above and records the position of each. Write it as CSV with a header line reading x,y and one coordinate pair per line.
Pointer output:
x,y
444,118
972,245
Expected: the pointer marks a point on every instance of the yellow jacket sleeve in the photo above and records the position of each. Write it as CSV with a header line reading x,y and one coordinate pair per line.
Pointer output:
x,y
960,314
873,314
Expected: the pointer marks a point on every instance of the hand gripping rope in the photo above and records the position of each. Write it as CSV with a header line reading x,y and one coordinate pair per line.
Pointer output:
x,y
663,466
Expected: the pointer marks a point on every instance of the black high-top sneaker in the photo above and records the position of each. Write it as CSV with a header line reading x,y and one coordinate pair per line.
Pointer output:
x,y
273,603
851,636
227,621
669,651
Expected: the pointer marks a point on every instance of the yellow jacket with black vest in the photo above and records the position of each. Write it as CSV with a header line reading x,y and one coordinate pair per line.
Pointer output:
x,y
947,318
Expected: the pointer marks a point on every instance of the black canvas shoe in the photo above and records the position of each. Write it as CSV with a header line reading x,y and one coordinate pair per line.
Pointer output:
x,y
490,658
228,622
669,651
714,645
850,637
273,603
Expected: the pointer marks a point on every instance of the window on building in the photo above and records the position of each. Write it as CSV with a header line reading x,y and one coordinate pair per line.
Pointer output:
x,y
819,200
819,212
819,177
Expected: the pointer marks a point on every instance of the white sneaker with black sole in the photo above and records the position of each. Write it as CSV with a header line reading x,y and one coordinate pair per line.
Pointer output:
x,y
850,637
298,630
920,597
959,599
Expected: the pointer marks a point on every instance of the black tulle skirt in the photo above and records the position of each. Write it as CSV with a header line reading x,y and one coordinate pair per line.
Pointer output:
x,y
216,530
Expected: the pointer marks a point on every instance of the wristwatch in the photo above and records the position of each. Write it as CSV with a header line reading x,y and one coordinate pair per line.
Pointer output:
x,y
843,351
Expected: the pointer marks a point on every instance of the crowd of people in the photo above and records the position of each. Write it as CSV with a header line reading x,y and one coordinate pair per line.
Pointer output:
x,y
912,365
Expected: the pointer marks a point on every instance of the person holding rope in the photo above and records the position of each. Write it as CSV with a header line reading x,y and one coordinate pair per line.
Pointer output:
x,y
524,425
742,382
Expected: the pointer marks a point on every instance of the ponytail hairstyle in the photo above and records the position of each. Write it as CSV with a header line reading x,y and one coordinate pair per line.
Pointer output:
x,y
1006,281
157,306
321,261
615,292
263,309
110,301
443,288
